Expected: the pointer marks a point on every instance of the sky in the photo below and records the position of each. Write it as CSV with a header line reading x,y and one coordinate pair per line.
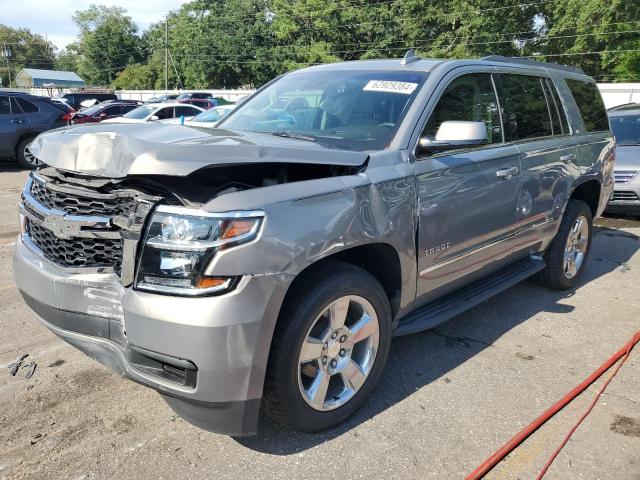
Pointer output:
x,y
53,17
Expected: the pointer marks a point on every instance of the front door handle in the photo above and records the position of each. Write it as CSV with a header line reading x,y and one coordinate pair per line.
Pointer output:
x,y
507,173
16,120
568,158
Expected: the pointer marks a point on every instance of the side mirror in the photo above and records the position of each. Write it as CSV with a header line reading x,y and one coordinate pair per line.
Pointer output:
x,y
154,117
455,134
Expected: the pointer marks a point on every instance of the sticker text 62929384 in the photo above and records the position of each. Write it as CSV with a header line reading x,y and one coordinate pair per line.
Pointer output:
x,y
390,86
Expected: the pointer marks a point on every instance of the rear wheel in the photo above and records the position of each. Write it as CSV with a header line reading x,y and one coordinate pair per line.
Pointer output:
x,y
24,156
567,255
329,348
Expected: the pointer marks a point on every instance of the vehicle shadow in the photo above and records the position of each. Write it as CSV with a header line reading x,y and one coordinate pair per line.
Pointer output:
x,y
10,165
426,357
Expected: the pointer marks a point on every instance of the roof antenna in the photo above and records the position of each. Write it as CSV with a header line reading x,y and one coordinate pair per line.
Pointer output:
x,y
409,57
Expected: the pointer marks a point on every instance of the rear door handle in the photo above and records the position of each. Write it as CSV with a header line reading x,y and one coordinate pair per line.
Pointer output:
x,y
16,120
568,158
507,173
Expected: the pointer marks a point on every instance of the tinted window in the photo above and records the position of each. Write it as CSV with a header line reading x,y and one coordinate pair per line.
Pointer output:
x,y
186,111
5,109
555,104
626,129
590,104
164,113
554,115
527,115
128,108
468,98
27,107
115,110
15,108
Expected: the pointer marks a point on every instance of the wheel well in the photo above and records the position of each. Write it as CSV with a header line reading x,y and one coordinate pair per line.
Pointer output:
x,y
379,259
589,193
23,137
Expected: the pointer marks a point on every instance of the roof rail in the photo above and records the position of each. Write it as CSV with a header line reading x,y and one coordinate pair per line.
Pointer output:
x,y
533,63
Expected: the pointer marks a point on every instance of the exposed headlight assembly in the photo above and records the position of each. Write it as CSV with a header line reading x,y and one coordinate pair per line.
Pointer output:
x,y
181,242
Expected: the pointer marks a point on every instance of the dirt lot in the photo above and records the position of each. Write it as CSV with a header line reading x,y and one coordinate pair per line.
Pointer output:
x,y
448,399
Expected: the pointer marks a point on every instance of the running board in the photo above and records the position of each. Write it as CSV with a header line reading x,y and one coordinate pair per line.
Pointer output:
x,y
447,307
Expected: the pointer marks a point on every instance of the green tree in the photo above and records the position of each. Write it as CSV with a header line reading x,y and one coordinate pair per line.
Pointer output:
x,y
108,43
583,28
68,58
137,77
19,48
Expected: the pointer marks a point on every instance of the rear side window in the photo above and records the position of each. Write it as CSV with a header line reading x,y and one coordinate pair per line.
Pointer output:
x,y
590,104
128,108
27,107
527,115
115,110
468,98
5,109
15,108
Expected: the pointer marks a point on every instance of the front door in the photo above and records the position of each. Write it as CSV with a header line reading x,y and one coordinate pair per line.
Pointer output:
x,y
466,198
13,123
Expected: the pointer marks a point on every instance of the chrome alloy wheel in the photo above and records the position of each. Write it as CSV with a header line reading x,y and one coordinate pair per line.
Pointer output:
x,y
29,157
575,249
338,353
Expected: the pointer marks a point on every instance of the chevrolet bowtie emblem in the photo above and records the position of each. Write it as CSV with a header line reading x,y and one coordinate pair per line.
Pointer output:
x,y
60,227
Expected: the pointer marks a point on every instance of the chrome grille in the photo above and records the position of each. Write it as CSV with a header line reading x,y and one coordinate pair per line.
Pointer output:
x,y
81,227
77,204
619,195
76,252
624,176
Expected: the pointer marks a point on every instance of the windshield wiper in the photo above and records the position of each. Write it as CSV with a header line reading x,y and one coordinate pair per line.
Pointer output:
x,y
297,136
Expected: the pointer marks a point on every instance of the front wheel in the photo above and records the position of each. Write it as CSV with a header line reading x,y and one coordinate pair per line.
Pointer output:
x,y
567,254
329,348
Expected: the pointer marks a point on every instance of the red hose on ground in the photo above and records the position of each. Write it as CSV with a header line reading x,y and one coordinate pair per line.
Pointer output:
x,y
521,436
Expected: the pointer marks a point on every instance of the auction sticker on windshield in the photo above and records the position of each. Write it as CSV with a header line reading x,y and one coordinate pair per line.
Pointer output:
x,y
390,86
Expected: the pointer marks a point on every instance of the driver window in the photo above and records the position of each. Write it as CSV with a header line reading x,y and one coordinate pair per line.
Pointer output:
x,y
468,98
165,113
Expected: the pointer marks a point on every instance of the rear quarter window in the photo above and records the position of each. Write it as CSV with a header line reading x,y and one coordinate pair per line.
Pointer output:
x,y
27,107
590,104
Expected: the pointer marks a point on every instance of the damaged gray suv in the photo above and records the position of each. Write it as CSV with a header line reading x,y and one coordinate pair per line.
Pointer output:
x,y
271,259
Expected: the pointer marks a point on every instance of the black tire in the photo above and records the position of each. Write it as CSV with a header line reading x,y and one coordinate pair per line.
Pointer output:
x,y
553,275
308,298
21,157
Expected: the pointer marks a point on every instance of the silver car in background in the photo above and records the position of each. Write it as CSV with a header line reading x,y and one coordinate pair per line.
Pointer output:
x,y
625,124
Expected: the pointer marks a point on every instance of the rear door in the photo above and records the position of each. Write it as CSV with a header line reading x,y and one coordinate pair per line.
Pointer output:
x,y
536,123
8,127
467,207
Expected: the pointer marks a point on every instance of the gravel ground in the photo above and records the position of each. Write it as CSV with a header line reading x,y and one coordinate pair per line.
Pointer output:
x,y
448,399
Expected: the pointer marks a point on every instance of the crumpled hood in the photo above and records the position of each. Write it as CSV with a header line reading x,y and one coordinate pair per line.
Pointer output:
x,y
118,150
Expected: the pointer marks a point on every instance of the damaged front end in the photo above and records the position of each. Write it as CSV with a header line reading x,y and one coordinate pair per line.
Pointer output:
x,y
113,258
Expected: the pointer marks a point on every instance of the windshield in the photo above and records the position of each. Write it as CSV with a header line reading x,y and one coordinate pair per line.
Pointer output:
x,y
351,110
626,129
211,115
140,112
92,110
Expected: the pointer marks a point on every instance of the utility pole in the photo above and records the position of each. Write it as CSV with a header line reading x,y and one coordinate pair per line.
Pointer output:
x,y
166,55
6,54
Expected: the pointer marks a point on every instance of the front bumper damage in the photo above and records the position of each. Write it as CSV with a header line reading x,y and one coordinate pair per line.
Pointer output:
x,y
205,356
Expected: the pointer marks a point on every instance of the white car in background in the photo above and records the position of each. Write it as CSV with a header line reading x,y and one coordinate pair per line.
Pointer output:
x,y
161,112
208,118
